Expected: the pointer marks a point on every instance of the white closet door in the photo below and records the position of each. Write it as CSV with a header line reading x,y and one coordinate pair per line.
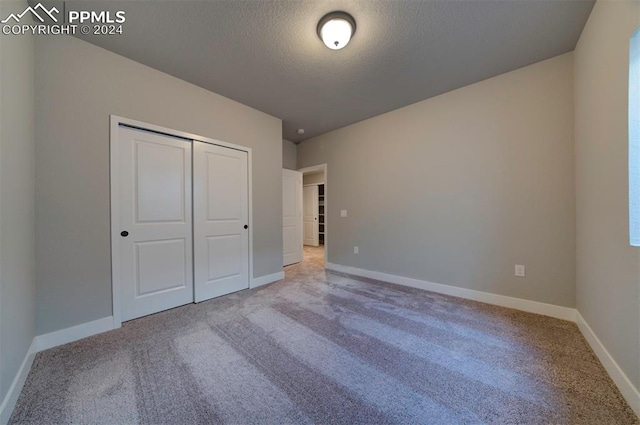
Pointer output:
x,y
310,207
221,218
155,219
291,217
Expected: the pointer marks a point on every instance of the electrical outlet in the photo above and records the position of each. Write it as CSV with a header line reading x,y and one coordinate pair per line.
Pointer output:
x,y
519,270
343,213
356,250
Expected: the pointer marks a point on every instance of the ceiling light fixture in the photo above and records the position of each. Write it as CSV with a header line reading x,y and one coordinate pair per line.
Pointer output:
x,y
335,29
301,131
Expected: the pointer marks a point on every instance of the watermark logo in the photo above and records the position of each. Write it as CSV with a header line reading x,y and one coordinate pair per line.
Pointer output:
x,y
34,11
70,21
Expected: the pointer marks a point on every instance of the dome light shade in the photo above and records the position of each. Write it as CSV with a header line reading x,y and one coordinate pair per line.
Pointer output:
x,y
336,29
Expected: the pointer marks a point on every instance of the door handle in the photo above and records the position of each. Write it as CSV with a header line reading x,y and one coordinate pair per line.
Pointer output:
x,y
246,226
124,233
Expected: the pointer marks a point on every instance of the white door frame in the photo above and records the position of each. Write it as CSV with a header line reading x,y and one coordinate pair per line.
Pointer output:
x,y
322,167
116,121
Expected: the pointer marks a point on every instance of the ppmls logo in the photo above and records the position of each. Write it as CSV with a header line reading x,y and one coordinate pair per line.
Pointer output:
x,y
71,22
34,11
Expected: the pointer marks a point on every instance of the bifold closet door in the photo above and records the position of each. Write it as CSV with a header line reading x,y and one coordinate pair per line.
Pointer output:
x,y
221,218
155,222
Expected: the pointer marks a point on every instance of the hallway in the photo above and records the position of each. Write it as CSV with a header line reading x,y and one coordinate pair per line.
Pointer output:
x,y
314,254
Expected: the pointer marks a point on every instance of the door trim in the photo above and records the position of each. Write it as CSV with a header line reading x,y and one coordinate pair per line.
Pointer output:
x,y
322,167
114,179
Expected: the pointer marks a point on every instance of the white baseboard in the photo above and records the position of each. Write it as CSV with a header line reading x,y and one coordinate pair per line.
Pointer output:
x,y
74,333
627,389
556,311
9,402
267,279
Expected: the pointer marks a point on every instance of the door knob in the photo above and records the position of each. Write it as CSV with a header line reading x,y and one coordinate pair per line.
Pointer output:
x,y
246,226
124,233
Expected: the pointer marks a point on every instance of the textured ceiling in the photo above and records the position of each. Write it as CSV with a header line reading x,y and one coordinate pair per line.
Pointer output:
x,y
266,53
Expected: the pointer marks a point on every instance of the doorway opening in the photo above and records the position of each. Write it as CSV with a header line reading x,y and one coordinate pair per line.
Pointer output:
x,y
315,214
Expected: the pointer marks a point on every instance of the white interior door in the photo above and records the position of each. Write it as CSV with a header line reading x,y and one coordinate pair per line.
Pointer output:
x,y
310,215
291,216
220,220
155,219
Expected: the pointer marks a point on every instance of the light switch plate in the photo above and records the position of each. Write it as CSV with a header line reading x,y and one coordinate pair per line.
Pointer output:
x,y
519,270
343,213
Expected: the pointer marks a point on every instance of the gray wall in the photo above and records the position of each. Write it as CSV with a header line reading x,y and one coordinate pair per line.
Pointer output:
x,y
17,251
289,155
78,86
608,268
459,188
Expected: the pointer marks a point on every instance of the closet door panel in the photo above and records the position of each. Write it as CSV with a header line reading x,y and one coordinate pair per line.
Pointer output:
x,y
155,218
221,213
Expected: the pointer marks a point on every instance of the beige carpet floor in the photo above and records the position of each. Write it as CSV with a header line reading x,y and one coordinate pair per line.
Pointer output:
x,y
314,255
326,348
